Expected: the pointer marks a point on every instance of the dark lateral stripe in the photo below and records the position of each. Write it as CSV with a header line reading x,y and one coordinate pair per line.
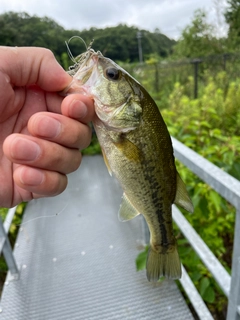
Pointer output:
x,y
161,222
157,201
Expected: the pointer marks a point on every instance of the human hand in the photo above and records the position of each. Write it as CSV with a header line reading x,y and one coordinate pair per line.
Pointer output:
x,y
40,131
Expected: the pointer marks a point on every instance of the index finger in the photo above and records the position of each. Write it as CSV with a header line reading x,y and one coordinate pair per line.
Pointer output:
x,y
30,65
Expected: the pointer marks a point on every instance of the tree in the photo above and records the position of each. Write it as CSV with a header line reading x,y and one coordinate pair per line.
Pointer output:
x,y
21,29
118,43
197,39
232,17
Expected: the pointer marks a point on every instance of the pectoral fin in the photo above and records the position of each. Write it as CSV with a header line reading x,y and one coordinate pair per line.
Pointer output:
x,y
182,198
128,148
127,211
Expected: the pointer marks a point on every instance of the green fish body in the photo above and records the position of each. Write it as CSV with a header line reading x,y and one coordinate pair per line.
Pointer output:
x,y
137,149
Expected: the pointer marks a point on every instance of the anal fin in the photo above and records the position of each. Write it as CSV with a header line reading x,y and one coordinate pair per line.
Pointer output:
x,y
127,211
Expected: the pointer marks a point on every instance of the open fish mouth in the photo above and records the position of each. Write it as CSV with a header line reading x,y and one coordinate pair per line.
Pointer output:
x,y
82,69
81,72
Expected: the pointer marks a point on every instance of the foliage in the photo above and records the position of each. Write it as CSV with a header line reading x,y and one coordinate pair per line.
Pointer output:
x,y
93,148
21,29
197,39
117,43
232,16
141,259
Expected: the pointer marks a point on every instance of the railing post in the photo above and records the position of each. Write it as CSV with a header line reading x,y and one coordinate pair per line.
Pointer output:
x,y
156,77
195,63
6,249
225,58
139,36
233,312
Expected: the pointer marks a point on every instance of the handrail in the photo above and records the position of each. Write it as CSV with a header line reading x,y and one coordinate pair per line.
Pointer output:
x,y
195,298
229,188
8,220
208,258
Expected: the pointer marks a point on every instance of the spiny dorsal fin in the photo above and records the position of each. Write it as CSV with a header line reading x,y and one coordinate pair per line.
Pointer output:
x,y
182,198
127,211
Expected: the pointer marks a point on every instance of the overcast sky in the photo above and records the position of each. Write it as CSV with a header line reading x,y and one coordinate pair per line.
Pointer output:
x,y
170,16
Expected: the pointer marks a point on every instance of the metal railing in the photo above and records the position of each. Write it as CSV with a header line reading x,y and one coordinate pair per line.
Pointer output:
x,y
229,188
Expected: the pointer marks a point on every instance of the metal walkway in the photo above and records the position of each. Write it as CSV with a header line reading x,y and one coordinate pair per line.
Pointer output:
x,y
77,261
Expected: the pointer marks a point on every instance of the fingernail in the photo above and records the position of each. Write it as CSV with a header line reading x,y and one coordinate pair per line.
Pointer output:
x,y
48,127
78,109
31,176
24,149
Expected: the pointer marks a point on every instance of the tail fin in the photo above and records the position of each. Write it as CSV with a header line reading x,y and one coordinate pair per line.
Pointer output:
x,y
163,264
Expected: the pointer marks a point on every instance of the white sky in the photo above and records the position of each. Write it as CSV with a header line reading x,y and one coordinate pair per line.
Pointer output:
x,y
170,16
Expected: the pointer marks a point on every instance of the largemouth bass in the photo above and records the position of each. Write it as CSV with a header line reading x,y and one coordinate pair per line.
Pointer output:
x,y
137,149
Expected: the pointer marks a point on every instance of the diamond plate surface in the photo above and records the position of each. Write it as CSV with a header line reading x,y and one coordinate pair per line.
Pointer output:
x,y
77,260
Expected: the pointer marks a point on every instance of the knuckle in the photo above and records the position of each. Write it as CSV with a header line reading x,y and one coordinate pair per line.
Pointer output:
x,y
81,138
76,161
57,183
67,161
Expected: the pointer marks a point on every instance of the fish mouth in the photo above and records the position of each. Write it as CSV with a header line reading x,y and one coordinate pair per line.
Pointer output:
x,y
81,73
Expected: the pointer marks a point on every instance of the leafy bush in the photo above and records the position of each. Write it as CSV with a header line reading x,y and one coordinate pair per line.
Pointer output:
x,y
93,148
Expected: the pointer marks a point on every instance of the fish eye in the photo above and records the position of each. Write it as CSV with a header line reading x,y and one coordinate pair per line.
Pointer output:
x,y
113,73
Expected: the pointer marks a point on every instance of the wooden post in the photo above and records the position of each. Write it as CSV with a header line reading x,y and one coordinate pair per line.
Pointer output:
x,y
195,63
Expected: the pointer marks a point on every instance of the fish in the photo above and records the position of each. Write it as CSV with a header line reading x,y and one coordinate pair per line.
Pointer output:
x,y
137,150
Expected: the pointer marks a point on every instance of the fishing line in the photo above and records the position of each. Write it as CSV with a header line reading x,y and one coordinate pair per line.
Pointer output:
x,y
88,48
41,217
69,51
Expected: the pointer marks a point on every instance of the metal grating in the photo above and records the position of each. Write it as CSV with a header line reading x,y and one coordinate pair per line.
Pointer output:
x,y
77,261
